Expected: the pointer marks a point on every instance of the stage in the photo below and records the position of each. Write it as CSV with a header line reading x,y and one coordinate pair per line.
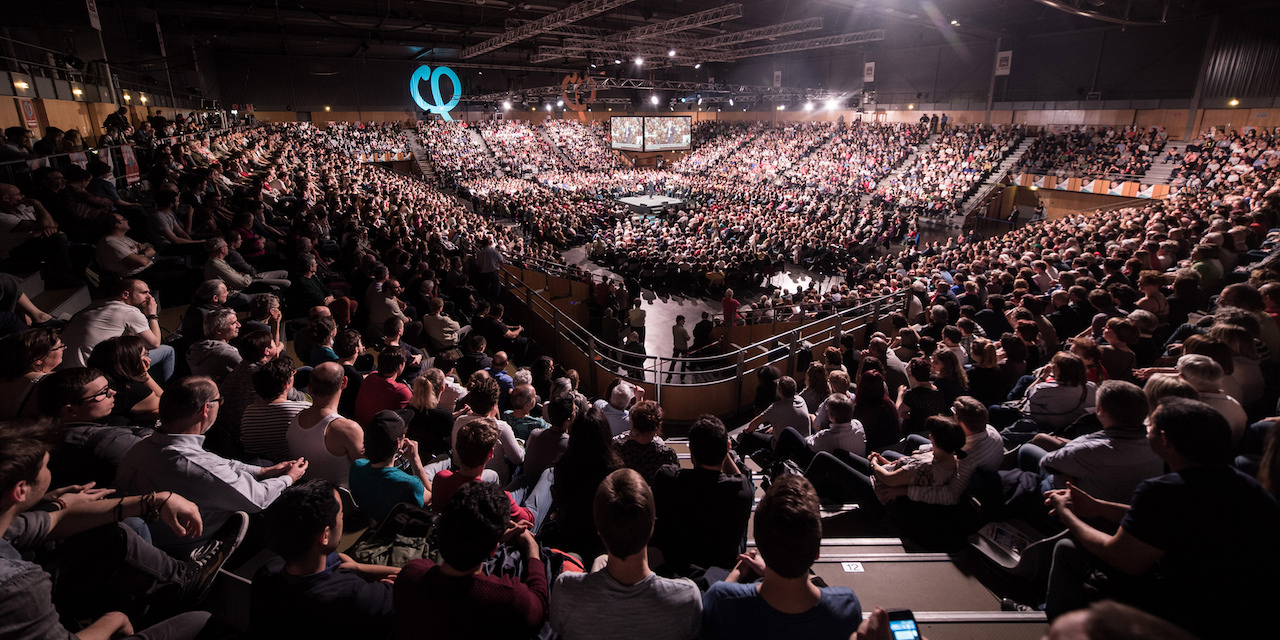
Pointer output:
x,y
649,205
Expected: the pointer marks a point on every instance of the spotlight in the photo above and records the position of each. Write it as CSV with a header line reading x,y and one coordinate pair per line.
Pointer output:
x,y
639,61
653,98
955,23
671,53
808,106
731,102
782,107
326,108
127,97
697,65
1234,102
617,61
559,103
699,100
911,106
833,104
548,106
506,105
22,85
78,92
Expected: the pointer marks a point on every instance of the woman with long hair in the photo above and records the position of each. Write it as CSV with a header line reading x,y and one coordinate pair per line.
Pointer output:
x,y
816,388
875,410
949,375
986,382
589,458
124,363
25,358
425,421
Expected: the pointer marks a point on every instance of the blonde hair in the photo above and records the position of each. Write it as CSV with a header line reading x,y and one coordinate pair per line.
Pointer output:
x,y
424,394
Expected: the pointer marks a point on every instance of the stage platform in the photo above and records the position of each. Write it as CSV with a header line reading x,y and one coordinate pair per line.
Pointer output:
x,y
649,205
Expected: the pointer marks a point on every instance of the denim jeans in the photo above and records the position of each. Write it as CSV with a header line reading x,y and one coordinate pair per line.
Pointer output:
x,y
163,361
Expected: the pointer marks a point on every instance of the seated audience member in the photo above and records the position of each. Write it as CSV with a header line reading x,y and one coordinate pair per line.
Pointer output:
x,y
27,358
837,383
393,337
426,423
1061,394
545,446
625,599
713,498
440,329
587,460
1206,376
1110,620
983,449
523,400
844,434
174,458
307,291
265,424
455,599
642,448
216,267
483,400
214,356
26,593
474,359
377,484
210,296
129,310
505,382
310,590
323,332
381,390
787,412
622,395
349,348
256,349
1107,464
922,400
784,603
330,442
125,364
80,402
472,449
1170,541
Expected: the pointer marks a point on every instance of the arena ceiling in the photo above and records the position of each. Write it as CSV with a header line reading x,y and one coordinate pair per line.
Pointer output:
x,y
537,34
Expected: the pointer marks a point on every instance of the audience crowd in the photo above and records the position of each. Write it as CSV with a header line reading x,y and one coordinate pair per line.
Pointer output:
x,y
1094,152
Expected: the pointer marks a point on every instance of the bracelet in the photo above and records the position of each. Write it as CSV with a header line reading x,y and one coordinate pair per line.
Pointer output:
x,y
152,316
119,510
61,505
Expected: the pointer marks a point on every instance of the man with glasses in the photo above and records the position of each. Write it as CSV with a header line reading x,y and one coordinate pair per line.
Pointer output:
x,y
130,309
80,401
175,459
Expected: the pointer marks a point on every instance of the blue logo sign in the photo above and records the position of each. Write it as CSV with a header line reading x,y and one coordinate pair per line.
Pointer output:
x,y
440,106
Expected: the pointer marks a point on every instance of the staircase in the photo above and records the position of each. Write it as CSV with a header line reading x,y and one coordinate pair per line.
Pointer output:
x,y
421,156
59,303
893,175
565,160
996,176
1160,173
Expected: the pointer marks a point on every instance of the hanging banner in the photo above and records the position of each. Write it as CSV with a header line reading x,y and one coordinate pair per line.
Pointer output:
x,y
131,172
1116,189
28,109
93,14
777,79
1146,190
869,72
1004,60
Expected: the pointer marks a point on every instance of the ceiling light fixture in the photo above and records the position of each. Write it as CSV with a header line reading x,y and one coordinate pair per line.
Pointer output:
x,y
653,98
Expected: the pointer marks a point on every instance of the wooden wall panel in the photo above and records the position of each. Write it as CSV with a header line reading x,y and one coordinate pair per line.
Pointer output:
x,y
10,116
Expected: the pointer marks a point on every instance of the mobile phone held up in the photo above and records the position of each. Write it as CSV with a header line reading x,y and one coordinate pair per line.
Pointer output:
x,y
902,624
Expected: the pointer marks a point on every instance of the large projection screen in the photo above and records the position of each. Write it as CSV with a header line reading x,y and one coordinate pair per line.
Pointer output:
x,y
667,133
627,132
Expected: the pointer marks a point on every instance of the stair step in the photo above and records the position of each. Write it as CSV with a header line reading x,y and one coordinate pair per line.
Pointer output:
x,y
62,303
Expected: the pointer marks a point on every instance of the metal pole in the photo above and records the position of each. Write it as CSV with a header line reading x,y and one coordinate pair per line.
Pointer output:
x,y
164,54
991,89
111,85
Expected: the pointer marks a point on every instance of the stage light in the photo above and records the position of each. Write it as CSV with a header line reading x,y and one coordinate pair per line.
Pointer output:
x,y
639,61
683,100
911,106
731,102
782,107
808,106
78,92
611,108
144,98
127,97
697,65
1234,102
699,100
506,104
955,23
617,61
548,106
22,85
653,98
833,104
671,53
559,103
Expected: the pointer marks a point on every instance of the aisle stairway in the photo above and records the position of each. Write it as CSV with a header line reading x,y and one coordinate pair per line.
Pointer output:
x,y
1160,173
478,139
897,171
996,176
59,303
421,156
568,163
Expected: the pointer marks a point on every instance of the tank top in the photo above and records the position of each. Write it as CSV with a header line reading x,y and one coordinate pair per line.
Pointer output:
x,y
309,444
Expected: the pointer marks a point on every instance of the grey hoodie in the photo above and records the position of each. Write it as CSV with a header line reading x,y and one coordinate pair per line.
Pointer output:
x,y
213,358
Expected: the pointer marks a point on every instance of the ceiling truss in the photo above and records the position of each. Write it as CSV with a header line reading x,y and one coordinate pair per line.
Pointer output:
x,y
569,15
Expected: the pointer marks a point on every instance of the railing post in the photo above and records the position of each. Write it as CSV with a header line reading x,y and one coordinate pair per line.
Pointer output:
x,y
794,350
594,363
742,363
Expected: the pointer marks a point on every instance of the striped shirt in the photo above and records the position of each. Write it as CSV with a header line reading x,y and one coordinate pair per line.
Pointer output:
x,y
263,428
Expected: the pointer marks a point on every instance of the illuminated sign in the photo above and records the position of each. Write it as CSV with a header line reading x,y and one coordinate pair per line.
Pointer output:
x,y
576,85
439,106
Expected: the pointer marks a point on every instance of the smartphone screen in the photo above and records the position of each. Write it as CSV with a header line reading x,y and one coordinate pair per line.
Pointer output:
x,y
903,626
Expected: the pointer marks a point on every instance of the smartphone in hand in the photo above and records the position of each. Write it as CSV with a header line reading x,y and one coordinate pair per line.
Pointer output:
x,y
902,625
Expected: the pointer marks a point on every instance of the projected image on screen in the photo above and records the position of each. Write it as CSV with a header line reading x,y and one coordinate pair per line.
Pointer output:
x,y
627,133
667,133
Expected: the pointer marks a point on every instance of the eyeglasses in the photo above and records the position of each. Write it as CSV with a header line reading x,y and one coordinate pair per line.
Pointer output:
x,y
106,392
59,347
218,400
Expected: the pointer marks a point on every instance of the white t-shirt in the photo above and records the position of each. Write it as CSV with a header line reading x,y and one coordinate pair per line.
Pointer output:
x,y
111,252
95,324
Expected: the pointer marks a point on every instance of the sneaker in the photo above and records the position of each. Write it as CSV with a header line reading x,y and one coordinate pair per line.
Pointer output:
x,y
1010,605
208,559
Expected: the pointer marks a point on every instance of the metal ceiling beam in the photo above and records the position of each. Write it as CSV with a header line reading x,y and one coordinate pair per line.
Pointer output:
x,y
569,15
775,31
713,91
813,43
683,23
572,31
657,53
